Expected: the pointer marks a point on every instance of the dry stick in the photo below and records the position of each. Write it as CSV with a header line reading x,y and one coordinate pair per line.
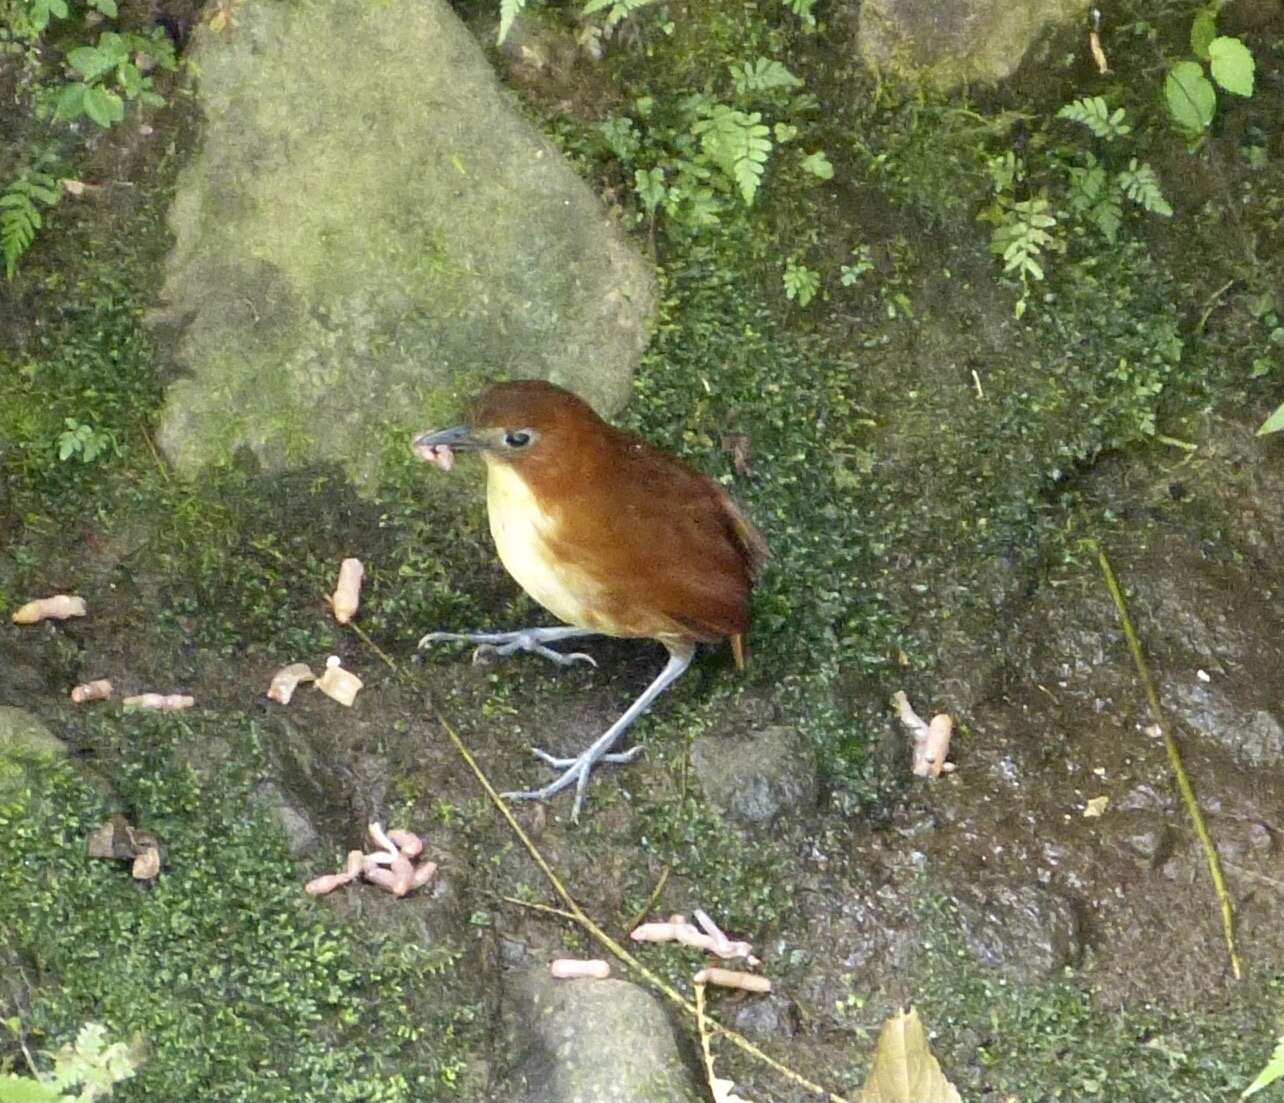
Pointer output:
x,y
650,900
706,1051
1174,761
578,913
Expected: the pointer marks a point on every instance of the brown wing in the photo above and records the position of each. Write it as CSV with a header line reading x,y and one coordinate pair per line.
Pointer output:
x,y
671,553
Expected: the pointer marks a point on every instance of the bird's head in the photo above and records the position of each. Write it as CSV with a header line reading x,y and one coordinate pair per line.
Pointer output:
x,y
527,423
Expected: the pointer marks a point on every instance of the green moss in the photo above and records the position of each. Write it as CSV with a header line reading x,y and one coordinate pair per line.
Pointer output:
x,y
1057,1040
240,985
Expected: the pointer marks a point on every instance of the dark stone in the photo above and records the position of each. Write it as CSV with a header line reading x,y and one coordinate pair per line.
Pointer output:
x,y
590,1041
752,779
1025,931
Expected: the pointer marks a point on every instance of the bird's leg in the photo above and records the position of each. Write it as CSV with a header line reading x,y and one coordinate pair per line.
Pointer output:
x,y
577,769
525,639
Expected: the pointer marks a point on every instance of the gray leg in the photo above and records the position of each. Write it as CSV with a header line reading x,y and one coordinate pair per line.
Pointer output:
x,y
525,639
577,769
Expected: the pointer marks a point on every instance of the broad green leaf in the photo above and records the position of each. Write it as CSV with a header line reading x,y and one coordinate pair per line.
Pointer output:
x,y
1190,96
114,46
131,80
649,184
19,1089
107,7
1202,31
1232,65
818,165
102,106
90,62
71,103
1273,424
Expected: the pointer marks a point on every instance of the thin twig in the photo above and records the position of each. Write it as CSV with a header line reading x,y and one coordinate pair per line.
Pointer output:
x,y
650,900
706,1051
1175,762
547,909
365,637
578,913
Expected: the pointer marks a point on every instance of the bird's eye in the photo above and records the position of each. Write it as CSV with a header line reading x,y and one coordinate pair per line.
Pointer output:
x,y
517,438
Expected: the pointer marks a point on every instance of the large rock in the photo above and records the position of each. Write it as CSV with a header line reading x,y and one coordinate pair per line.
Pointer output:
x,y
591,1041
958,42
27,748
366,230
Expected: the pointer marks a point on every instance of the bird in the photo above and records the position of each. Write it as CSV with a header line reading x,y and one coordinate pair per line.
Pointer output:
x,y
611,535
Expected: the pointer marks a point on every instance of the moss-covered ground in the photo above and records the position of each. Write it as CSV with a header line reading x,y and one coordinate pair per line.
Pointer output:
x,y
912,451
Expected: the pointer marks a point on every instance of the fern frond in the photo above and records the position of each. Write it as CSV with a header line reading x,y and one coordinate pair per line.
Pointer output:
x,y
739,144
1140,184
19,215
619,9
763,75
1093,112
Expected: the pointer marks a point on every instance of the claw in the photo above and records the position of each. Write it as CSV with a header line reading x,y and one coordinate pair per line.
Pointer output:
x,y
506,643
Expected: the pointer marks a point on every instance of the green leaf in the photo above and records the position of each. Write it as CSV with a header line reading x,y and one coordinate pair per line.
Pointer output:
x,y
1273,1071
762,75
107,7
818,165
1202,31
102,106
1190,95
737,143
784,132
19,1089
71,103
1232,65
90,62
508,11
1093,113
649,184
1141,185
801,283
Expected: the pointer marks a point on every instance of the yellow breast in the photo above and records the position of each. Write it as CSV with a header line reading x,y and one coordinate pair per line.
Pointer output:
x,y
522,532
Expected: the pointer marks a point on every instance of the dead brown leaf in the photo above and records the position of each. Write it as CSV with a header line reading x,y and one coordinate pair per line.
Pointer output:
x,y
904,1069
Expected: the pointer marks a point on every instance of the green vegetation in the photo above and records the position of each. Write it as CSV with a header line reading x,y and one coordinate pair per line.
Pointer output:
x,y
1274,1070
228,971
1053,1040
43,38
83,1071
20,212
836,344
1190,95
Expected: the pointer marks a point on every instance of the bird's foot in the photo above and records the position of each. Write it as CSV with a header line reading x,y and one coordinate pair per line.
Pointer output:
x,y
576,771
527,639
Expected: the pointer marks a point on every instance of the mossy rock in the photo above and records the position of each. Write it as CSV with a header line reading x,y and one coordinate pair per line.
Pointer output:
x,y
26,748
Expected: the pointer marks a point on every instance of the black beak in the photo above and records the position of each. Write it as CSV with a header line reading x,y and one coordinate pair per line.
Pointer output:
x,y
459,437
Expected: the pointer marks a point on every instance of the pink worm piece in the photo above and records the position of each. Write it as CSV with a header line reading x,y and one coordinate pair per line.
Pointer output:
x,y
91,691
319,886
161,702
347,592
565,968
410,844
439,455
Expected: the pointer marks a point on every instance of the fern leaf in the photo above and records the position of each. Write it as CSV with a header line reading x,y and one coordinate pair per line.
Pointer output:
x,y
1140,184
20,217
762,75
1095,114
739,144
